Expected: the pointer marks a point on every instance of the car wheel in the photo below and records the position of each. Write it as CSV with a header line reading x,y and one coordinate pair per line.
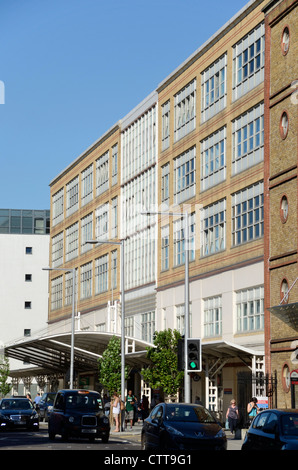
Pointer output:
x,y
64,435
51,435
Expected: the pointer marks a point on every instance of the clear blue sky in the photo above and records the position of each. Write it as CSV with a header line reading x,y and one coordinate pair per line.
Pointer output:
x,y
73,68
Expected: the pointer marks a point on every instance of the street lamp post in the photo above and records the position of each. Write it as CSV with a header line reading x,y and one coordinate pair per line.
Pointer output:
x,y
73,271
186,290
121,243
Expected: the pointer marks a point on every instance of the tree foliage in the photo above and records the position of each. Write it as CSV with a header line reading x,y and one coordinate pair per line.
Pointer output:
x,y
163,373
109,366
4,373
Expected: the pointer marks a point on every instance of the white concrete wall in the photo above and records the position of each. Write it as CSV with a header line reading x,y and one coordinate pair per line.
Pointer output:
x,y
14,290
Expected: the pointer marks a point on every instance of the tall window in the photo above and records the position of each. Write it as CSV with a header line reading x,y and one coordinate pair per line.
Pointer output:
x,y
56,293
102,221
165,183
57,250
86,280
148,326
87,185
213,159
101,274
114,217
165,247
72,241
185,111
214,89
115,164
213,226
58,206
86,232
248,214
102,174
72,196
212,316
250,309
165,125
184,176
180,318
179,240
248,139
248,62
69,288
114,269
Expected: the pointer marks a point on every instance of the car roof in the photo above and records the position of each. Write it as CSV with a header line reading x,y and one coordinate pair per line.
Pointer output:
x,y
79,390
281,410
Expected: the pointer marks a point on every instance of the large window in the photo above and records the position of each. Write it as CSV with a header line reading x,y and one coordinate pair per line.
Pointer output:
x,y
56,293
248,139
212,316
213,227
179,240
72,241
87,185
213,159
250,309
101,274
214,89
115,164
58,206
165,125
102,174
72,196
57,250
165,183
185,111
86,280
185,176
165,247
248,214
248,62
148,326
102,221
86,232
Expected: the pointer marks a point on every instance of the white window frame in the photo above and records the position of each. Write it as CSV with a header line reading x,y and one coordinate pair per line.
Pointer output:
x,y
212,316
248,214
102,173
248,139
86,232
213,159
102,221
86,280
58,206
185,110
250,309
165,247
87,185
148,326
57,293
249,62
165,125
57,249
185,176
72,196
72,241
114,164
214,88
102,274
213,228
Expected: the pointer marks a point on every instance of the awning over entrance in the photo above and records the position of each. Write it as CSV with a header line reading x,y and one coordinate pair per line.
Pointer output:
x,y
289,312
52,353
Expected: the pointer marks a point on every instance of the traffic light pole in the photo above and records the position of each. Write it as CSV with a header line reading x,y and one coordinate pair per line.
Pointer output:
x,y
187,398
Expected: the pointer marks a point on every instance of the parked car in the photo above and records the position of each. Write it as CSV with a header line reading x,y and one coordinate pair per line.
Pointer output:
x,y
273,430
45,405
78,413
18,412
178,427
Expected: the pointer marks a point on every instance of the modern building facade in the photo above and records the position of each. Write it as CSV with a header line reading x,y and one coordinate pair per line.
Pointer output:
x,y
24,251
281,153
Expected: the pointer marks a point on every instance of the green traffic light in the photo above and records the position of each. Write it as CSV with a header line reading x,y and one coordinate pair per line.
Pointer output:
x,y
193,365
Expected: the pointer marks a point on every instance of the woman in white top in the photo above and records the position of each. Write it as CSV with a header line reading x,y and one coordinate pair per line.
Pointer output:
x,y
116,410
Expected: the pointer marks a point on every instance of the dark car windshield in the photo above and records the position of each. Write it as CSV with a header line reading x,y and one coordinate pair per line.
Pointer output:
x,y
82,401
289,424
16,404
48,397
194,414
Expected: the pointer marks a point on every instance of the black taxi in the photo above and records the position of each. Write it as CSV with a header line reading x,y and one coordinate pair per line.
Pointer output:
x,y
78,413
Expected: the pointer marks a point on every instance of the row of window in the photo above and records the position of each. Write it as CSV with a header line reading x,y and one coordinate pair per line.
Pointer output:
x,y
248,72
247,210
247,150
86,178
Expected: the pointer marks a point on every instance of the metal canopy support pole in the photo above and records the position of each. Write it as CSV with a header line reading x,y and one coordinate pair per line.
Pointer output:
x,y
72,328
122,325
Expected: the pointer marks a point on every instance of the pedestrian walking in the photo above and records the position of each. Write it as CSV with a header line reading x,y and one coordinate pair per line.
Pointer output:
x,y
252,409
129,406
116,411
232,415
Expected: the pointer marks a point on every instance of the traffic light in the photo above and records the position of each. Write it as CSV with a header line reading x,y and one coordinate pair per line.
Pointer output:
x,y
194,355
